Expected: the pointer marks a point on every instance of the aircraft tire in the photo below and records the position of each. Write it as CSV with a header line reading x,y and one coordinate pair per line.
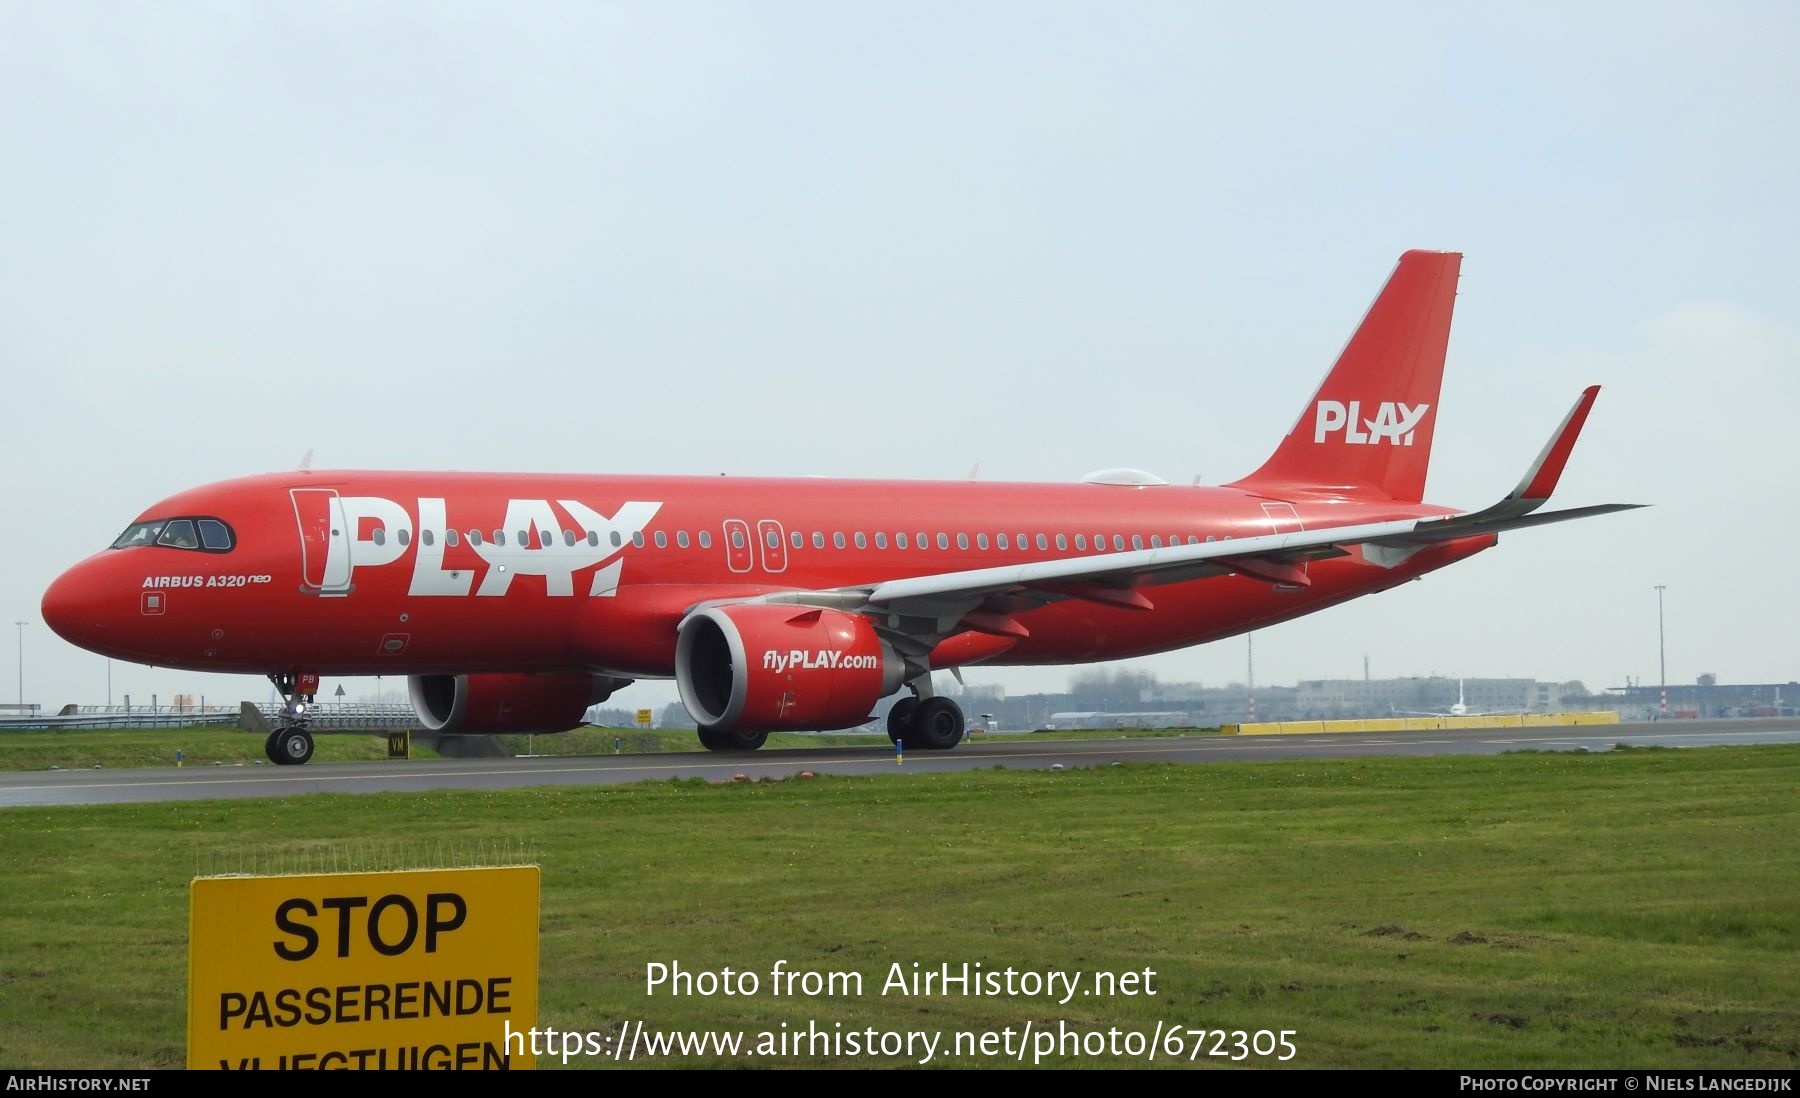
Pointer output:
x,y
718,739
900,720
938,725
269,747
291,746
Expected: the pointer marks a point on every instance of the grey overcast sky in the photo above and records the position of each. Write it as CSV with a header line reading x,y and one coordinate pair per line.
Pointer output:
x,y
898,240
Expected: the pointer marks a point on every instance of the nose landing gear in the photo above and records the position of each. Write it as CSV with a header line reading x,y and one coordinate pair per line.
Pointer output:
x,y
291,744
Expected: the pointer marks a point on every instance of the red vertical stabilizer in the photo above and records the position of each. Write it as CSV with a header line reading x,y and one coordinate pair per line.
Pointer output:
x,y
1367,431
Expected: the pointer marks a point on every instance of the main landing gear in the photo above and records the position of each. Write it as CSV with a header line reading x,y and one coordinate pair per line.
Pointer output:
x,y
291,744
925,721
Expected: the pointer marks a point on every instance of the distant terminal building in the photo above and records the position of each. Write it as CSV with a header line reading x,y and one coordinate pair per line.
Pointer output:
x,y
1325,698
1706,698
1098,719
1189,704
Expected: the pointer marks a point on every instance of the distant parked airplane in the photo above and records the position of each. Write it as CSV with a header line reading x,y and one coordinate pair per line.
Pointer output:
x,y
513,602
1460,709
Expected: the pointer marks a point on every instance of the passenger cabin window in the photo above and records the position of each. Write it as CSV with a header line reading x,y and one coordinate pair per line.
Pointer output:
x,y
379,537
426,537
837,539
705,537
402,535
617,540
593,538
962,541
450,538
880,539
500,537
1000,540
662,540
681,540
637,539
861,542
818,539
981,541
1081,541
798,539
474,537
900,540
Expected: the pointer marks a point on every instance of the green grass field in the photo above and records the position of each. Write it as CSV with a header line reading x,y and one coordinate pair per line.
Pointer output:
x,y
1637,908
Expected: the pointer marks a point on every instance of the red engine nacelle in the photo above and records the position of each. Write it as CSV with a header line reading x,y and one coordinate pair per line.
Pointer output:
x,y
477,704
759,667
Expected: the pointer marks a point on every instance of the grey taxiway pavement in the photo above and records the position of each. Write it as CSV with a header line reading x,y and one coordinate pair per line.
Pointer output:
x,y
22,788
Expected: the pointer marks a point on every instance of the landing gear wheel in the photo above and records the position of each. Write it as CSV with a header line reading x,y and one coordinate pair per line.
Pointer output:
x,y
938,725
900,719
716,739
269,747
289,746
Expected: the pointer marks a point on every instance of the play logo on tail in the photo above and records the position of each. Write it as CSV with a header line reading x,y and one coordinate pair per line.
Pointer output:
x,y
1394,422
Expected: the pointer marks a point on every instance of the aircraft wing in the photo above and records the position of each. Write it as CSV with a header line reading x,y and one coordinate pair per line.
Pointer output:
x,y
981,598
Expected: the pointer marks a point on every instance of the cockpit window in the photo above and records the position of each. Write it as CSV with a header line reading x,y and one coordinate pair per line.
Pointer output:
x,y
140,533
214,535
179,534
208,534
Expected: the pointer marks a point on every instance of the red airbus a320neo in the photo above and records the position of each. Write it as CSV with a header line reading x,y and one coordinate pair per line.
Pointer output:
x,y
514,602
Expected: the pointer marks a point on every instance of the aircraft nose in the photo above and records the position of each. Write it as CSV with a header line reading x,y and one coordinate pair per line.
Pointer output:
x,y
71,606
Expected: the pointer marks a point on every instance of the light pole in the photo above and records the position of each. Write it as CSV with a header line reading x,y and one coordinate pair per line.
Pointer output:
x,y
21,625
1662,653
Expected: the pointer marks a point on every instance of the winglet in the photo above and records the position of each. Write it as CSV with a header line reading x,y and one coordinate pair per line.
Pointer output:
x,y
1540,480
1516,510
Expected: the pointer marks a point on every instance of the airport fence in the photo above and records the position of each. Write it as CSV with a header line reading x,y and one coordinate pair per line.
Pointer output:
x,y
324,717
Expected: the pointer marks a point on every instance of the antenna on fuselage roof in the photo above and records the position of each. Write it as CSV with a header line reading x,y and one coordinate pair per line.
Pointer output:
x,y
306,462
975,471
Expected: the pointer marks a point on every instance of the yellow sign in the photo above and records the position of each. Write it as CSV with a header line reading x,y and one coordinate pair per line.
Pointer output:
x,y
400,744
417,969
644,716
